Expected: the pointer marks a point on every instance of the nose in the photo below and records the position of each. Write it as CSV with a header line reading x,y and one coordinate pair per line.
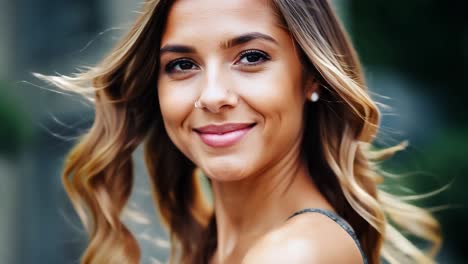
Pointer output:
x,y
216,93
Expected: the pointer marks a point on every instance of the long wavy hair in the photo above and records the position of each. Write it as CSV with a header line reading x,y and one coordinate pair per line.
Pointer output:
x,y
339,129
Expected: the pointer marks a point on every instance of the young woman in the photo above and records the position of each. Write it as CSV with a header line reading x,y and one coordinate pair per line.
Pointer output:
x,y
267,99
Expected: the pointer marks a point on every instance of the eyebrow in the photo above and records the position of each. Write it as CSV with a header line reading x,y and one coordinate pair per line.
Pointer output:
x,y
242,39
236,41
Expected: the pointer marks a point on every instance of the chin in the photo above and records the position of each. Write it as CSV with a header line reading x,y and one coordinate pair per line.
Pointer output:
x,y
225,170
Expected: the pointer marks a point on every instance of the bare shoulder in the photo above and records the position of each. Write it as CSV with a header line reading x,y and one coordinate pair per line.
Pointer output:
x,y
307,238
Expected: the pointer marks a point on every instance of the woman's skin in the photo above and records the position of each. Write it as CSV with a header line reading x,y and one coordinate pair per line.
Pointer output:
x,y
243,68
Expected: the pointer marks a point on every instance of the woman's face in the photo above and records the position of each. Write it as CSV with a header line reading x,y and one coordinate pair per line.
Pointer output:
x,y
243,68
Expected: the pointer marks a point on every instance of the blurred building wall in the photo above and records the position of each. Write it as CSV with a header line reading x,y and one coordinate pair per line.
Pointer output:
x,y
5,37
8,200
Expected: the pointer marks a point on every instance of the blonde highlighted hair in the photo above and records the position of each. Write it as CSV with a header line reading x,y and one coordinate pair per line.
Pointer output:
x,y
339,129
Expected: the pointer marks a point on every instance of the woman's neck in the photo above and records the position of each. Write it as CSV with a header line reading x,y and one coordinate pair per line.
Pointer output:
x,y
248,209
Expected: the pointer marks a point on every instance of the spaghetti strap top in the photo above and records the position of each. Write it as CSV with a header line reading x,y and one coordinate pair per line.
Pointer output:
x,y
340,221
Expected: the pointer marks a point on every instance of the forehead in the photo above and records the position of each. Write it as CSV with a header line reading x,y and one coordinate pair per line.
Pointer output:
x,y
199,20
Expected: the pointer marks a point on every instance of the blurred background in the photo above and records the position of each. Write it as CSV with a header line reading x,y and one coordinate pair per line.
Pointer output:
x,y
414,53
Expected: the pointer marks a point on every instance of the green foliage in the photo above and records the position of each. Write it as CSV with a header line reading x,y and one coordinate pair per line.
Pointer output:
x,y
423,39
15,129
440,163
447,157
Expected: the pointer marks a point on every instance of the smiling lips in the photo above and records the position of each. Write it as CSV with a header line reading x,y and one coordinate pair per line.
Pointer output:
x,y
223,135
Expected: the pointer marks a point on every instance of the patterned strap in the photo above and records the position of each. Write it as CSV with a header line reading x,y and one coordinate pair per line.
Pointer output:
x,y
340,221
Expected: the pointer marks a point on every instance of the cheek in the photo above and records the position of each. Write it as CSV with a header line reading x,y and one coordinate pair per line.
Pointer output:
x,y
176,106
275,92
175,102
277,95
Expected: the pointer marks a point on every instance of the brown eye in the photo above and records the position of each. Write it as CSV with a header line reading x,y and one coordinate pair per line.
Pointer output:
x,y
186,65
253,57
180,65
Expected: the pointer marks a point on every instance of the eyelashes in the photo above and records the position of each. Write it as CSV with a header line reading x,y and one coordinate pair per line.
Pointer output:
x,y
252,57
180,65
247,58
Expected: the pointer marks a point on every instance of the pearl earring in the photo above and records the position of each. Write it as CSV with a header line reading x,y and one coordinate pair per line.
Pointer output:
x,y
314,97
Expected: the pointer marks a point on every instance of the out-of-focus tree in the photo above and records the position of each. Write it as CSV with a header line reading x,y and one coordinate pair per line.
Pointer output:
x,y
15,128
424,39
